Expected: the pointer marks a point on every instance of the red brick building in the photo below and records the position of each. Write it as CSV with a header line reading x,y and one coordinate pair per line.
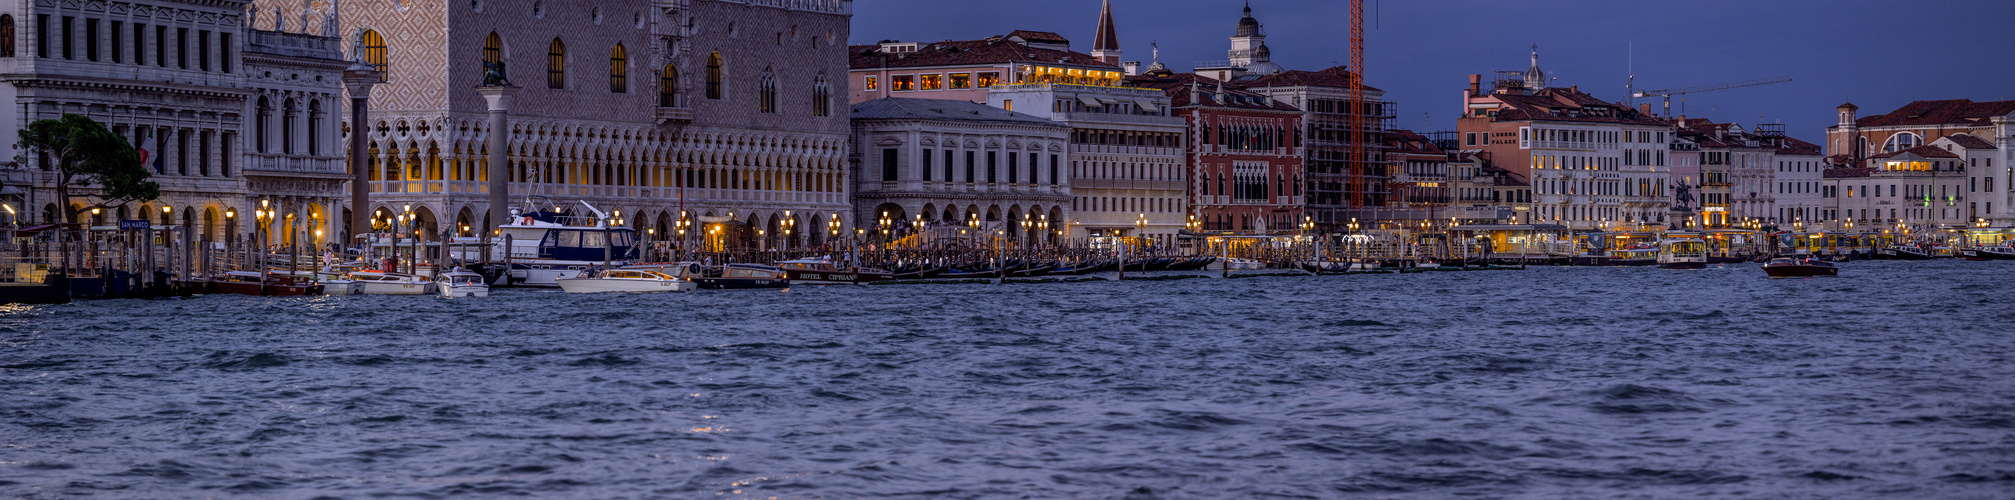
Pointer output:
x,y
1243,155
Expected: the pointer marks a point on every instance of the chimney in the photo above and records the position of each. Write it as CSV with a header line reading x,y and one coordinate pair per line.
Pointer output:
x,y
1475,84
1574,88
1644,108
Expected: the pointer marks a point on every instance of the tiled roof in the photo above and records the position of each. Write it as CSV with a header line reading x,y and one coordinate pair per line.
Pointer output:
x,y
1925,151
1177,86
1846,172
896,108
1039,36
1968,141
1567,105
1947,112
965,53
1793,146
1334,77
1410,142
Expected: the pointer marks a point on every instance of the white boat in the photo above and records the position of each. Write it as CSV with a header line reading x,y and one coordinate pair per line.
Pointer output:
x,y
547,245
1682,254
462,283
336,280
626,280
384,283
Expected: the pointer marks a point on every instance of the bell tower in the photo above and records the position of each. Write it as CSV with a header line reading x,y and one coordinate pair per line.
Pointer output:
x,y
1106,46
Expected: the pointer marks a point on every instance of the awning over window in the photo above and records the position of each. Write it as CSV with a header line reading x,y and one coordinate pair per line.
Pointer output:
x,y
1146,105
1089,101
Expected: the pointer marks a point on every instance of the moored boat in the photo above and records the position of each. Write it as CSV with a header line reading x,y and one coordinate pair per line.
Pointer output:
x,y
1903,253
462,283
254,283
1988,253
1799,268
741,276
1682,254
824,272
625,280
389,283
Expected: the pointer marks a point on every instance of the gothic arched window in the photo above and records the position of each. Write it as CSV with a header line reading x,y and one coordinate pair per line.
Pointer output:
x,y
619,71
714,76
767,96
668,87
556,65
374,54
822,96
493,48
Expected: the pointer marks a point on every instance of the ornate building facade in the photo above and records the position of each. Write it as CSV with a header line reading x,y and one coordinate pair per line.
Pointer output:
x,y
180,80
957,165
662,113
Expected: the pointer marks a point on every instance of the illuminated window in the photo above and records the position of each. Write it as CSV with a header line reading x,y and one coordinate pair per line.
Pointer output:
x,y
493,48
988,80
932,82
869,84
374,54
619,71
962,80
902,83
714,76
556,65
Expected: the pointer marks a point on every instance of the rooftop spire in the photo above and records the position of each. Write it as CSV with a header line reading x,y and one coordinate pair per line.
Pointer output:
x,y
1106,45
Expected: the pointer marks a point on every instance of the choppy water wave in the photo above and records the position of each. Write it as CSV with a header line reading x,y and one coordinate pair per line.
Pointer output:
x,y
1891,381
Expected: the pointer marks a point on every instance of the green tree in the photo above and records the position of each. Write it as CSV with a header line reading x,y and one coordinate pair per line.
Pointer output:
x,y
84,154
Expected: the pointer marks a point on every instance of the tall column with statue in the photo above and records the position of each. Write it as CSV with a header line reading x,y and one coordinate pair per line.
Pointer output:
x,y
496,90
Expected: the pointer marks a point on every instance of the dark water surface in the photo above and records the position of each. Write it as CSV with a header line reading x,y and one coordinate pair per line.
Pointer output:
x,y
1894,381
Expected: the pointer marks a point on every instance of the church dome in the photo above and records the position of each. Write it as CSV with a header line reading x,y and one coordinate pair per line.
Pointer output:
x,y
1263,68
1262,53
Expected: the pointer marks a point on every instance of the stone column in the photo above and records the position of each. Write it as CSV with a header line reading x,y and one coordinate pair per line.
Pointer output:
x,y
499,99
358,79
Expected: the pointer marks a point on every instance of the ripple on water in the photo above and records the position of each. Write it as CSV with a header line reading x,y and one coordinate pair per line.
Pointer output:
x,y
1580,383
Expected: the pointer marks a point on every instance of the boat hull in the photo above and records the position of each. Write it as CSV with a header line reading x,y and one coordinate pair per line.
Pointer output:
x,y
1682,265
1973,254
597,285
392,288
742,283
340,287
1800,271
465,291
836,277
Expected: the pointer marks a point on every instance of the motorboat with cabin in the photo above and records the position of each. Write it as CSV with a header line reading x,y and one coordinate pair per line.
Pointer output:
x,y
741,276
1682,253
1988,253
255,283
462,283
822,271
1788,267
370,282
335,279
546,245
624,280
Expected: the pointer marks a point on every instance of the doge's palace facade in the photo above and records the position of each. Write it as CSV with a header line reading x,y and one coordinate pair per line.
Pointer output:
x,y
651,107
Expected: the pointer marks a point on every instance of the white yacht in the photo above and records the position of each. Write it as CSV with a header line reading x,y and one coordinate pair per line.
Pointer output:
x,y
547,244
336,280
462,283
625,280
384,283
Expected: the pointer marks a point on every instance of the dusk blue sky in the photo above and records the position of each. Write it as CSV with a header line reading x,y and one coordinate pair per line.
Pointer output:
x,y
1877,54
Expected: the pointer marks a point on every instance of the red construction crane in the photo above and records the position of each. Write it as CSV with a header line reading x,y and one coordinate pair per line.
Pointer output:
x,y
1360,158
